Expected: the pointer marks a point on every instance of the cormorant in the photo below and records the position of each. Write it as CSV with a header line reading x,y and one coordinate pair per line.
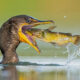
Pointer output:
x,y
11,35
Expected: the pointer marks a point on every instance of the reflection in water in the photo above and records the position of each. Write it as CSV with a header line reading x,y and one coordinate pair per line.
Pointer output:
x,y
32,72
73,73
8,73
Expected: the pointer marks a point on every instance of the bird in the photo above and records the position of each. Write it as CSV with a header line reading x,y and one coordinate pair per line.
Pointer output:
x,y
11,35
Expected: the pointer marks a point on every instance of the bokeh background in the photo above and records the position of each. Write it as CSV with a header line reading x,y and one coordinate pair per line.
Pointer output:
x,y
65,13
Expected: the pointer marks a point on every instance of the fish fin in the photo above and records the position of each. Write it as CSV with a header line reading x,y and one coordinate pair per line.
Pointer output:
x,y
51,28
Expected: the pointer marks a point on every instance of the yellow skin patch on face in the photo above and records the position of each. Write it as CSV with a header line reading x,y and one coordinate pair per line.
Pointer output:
x,y
23,38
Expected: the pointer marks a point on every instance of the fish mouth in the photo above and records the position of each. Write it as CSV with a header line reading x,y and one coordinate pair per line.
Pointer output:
x,y
27,37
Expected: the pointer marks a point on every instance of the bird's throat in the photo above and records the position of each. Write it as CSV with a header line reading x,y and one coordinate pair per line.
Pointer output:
x,y
27,38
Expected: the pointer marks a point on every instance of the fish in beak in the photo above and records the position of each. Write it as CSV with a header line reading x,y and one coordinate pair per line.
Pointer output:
x,y
27,37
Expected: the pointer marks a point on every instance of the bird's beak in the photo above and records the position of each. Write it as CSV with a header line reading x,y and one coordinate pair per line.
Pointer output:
x,y
38,22
27,37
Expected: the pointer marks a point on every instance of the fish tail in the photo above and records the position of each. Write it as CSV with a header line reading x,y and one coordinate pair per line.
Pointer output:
x,y
77,41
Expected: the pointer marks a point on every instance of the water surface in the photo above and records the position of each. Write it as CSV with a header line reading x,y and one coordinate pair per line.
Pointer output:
x,y
35,68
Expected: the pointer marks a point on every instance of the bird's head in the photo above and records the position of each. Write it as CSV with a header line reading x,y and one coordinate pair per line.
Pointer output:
x,y
23,22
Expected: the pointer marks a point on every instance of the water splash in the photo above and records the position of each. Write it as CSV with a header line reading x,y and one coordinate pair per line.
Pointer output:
x,y
73,51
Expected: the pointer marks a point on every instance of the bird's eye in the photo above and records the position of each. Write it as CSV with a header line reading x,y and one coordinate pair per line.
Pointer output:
x,y
28,21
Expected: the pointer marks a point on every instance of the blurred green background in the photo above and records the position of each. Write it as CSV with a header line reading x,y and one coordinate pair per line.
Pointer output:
x,y
65,13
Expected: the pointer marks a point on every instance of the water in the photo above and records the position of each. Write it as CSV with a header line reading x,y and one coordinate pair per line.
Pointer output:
x,y
73,51
39,73
45,67
32,68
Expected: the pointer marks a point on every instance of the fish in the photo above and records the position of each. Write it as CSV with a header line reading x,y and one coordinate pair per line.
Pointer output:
x,y
49,36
